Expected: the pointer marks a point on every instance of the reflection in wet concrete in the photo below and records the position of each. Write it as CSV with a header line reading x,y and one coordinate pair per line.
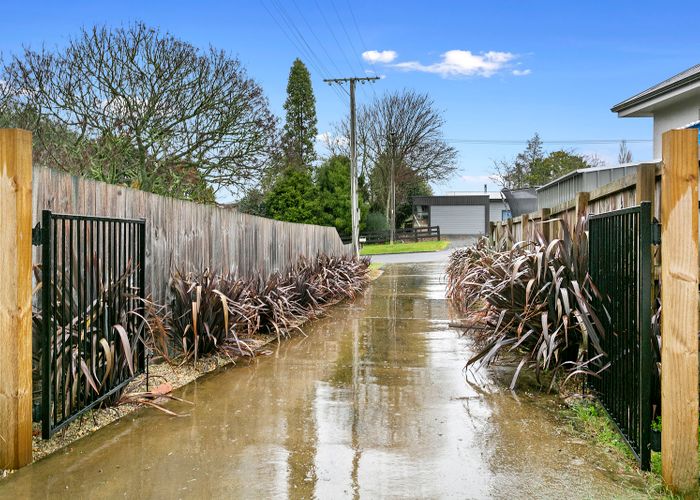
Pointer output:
x,y
373,403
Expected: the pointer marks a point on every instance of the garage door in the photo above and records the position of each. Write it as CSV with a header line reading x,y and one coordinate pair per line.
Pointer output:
x,y
458,219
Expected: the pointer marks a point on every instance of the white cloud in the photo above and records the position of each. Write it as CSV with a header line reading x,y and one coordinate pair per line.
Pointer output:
x,y
521,72
328,139
457,63
476,178
379,56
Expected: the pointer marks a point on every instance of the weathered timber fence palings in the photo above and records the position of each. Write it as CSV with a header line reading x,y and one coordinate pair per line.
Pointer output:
x,y
179,235
614,196
183,235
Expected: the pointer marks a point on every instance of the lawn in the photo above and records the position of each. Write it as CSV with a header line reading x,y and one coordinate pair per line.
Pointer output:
x,y
421,246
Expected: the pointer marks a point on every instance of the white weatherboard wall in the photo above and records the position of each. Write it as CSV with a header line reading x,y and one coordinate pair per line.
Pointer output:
x,y
458,219
676,115
496,208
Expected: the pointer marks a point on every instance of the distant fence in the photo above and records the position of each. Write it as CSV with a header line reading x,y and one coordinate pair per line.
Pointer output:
x,y
184,235
403,234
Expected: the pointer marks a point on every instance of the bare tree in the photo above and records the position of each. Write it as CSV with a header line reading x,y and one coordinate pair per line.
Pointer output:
x,y
147,109
419,148
624,155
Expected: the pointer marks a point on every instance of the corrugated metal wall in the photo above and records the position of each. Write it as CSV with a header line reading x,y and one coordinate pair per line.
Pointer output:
x,y
565,190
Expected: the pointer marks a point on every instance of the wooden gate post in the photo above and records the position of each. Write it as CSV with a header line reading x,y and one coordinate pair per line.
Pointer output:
x,y
544,218
15,298
679,318
582,200
524,224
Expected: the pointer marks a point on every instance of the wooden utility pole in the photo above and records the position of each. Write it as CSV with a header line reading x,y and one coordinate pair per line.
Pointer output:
x,y
392,188
354,205
679,316
15,298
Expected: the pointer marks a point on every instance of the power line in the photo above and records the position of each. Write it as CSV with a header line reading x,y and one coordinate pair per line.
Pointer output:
x,y
517,142
352,45
311,30
299,43
354,210
362,41
325,20
347,35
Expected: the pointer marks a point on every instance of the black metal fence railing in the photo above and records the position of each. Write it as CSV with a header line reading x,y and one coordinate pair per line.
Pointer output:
x,y
402,234
620,267
91,307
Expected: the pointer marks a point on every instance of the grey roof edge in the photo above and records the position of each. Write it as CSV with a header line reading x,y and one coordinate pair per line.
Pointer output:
x,y
450,200
595,169
692,74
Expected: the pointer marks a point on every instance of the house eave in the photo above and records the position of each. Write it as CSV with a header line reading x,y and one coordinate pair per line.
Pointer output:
x,y
645,104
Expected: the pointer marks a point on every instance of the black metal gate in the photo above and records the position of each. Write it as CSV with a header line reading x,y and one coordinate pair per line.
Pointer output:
x,y
91,312
620,267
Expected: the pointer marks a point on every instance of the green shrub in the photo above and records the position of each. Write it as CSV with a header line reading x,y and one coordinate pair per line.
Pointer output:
x,y
376,221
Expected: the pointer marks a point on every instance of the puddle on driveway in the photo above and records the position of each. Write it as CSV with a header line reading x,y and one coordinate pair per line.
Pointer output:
x,y
372,404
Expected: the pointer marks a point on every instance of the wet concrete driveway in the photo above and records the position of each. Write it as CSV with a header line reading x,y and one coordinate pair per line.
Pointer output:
x,y
372,404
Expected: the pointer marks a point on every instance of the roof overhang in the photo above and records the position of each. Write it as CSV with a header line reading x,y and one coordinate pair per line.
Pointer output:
x,y
649,101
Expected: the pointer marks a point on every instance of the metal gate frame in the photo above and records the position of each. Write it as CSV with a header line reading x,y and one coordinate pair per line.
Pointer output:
x,y
620,267
104,249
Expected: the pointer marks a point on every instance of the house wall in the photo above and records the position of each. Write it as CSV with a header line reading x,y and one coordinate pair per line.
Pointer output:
x,y
478,222
676,115
496,207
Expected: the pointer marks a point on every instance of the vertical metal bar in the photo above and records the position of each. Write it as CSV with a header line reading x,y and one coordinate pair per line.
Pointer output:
x,y
47,315
644,301
81,392
142,282
64,301
95,289
54,322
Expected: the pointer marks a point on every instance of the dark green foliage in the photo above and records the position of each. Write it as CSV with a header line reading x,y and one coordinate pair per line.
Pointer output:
x,y
294,198
300,125
533,167
333,181
139,107
404,206
536,299
253,203
210,312
376,221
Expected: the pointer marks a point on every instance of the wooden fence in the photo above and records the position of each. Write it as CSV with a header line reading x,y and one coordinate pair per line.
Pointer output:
x,y
184,235
414,234
672,188
622,193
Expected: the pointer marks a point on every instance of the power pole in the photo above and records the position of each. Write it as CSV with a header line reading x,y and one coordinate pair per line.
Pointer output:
x,y
355,216
392,188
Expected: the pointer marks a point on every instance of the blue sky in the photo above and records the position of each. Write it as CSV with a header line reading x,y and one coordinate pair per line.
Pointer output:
x,y
575,59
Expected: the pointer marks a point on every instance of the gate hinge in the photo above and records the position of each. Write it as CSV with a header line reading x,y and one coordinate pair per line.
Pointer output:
x,y
37,235
655,232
